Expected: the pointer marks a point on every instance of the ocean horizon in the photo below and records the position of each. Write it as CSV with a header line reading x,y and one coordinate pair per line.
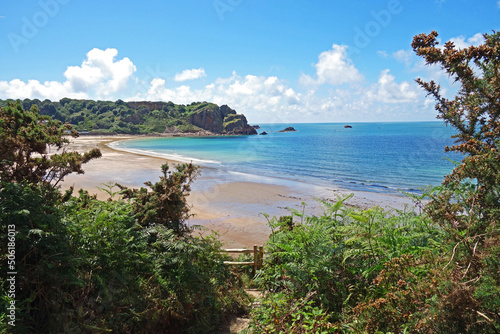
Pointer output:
x,y
383,157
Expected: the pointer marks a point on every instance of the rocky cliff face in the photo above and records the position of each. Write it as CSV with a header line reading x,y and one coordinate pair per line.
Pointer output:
x,y
221,120
208,118
226,111
238,125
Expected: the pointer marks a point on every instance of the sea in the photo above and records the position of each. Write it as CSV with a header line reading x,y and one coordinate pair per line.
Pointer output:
x,y
388,158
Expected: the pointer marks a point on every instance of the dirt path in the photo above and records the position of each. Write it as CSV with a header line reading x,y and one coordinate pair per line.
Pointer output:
x,y
235,324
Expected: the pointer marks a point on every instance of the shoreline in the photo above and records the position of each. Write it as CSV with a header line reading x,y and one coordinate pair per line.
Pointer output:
x,y
228,203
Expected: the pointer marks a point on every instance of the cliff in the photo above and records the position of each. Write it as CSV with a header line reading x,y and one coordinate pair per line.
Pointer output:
x,y
221,120
237,124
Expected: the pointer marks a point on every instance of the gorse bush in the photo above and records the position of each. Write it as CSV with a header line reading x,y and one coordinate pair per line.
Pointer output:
x,y
166,203
25,141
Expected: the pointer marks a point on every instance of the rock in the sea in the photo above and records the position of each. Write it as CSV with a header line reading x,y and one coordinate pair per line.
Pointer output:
x,y
347,126
289,129
263,133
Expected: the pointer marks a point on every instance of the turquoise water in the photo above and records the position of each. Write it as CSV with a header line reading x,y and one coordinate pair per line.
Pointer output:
x,y
378,157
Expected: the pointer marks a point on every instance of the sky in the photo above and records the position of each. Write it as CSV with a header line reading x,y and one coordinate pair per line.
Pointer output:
x,y
274,61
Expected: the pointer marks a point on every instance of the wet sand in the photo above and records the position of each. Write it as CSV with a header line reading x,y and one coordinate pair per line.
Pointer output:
x,y
229,204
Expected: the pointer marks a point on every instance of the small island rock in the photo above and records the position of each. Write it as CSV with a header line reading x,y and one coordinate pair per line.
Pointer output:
x,y
263,133
289,129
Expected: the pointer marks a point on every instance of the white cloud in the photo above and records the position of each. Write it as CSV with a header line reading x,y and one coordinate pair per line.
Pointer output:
x,y
461,42
477,39
383,54
403,56
386,90
99,76
100,72
334,68
53,90
158,91
192,74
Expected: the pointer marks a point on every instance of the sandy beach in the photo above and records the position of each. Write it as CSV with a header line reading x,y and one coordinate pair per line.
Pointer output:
x,y
230,205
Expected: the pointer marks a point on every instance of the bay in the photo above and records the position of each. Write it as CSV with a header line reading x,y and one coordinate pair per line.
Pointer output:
x,y
375,157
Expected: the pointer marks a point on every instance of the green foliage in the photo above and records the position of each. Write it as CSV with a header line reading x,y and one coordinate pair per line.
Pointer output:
x,y
26,138
86,265
43,262
166,203
146,279
372,271
280,313
334,259
107,117
188,128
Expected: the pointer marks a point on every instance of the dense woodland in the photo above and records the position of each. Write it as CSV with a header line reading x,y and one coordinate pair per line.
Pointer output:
x,y
130,264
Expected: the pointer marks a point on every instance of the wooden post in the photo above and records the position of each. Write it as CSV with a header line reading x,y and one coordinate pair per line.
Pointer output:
x,y
255,259
261,257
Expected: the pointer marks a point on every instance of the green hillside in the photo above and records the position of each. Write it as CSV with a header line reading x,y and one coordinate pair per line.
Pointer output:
x,y
119,117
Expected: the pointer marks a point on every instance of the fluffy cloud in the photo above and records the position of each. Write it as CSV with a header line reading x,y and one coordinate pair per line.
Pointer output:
x,y
386,90
195,73
53,90
461,42
101,73
383,54
334,68
158,91
99,76
403,56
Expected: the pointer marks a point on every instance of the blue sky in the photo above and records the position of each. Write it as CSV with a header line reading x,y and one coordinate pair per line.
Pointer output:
x,y
274,61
